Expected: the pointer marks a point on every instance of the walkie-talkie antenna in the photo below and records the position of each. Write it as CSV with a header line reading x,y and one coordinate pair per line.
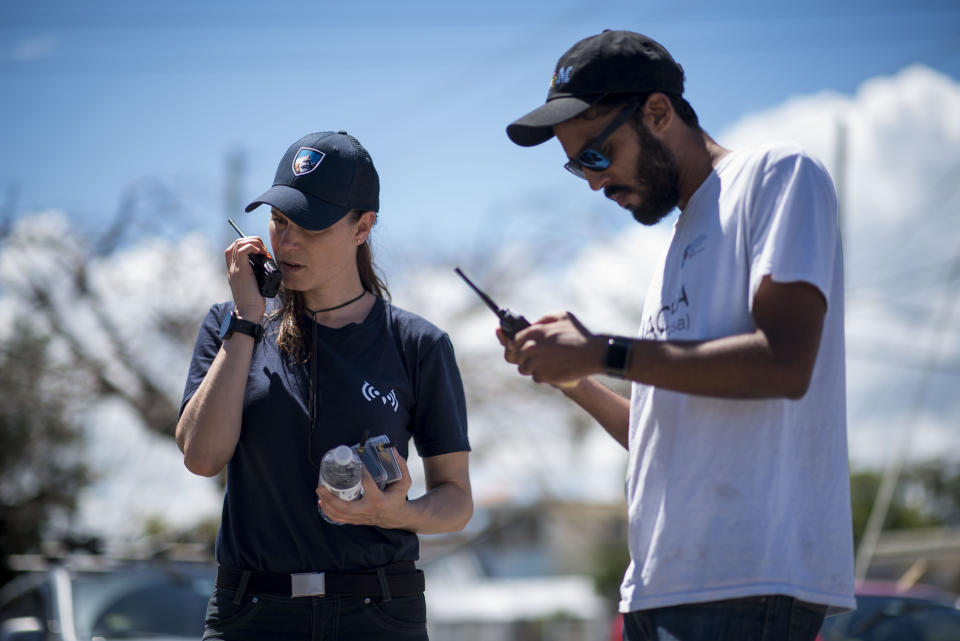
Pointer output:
x,y
486,299
234,225
510,322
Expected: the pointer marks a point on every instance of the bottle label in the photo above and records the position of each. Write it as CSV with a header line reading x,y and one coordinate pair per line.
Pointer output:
x,y
349,494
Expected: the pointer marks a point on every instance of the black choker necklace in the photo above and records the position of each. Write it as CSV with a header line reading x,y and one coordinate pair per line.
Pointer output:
x,y
330,309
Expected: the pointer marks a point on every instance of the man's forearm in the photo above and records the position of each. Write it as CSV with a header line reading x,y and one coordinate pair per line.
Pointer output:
x,y
607,407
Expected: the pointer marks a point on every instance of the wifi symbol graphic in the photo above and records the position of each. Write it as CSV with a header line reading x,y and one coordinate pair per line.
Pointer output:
x,y
371,394
391,399
369,391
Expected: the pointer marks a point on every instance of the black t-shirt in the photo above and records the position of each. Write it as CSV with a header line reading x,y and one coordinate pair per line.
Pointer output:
x,y
394,374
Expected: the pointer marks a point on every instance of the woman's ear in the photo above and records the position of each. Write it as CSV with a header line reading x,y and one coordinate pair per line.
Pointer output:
x,y
363,226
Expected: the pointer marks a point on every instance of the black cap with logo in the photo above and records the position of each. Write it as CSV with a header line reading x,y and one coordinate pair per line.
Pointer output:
x,y
321,178
612,62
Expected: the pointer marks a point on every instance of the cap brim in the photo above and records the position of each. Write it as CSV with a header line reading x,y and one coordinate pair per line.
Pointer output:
x,y
306,211
537,126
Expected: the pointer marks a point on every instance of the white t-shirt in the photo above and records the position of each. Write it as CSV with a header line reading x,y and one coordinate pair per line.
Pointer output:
x,y
735,498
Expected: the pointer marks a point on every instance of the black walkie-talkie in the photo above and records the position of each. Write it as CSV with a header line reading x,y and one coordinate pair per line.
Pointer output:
x,y
510,322
264,268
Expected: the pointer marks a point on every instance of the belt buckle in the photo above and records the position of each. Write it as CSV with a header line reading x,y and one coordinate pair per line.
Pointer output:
x,y
308,584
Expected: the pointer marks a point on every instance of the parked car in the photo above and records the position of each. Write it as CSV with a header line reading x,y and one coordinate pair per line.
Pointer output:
x,y
142,600
885,613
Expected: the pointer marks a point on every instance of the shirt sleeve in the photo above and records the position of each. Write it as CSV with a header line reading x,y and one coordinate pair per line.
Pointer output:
x,y
440,411
204,350
793,227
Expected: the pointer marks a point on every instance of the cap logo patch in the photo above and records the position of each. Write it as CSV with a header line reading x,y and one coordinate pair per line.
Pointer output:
x,y
306,160
561,76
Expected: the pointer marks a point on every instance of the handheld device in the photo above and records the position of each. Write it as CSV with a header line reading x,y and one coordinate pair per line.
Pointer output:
x,y
510,322
264,268
380,458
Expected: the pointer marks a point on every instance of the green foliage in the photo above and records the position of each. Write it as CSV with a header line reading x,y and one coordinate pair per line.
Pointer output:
x,y
610,561
41,469
939,482
909,508
204,531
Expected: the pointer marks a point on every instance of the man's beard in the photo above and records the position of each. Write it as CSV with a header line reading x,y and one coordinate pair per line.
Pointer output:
x,y
657,180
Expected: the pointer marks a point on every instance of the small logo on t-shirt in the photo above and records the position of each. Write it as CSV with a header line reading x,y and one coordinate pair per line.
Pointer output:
x,y
693,249
371,394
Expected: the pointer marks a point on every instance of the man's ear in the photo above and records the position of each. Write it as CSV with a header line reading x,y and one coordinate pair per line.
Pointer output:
x,y
658,112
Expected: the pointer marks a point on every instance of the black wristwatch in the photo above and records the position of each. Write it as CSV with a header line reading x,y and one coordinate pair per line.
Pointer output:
x,y
616,360
233,324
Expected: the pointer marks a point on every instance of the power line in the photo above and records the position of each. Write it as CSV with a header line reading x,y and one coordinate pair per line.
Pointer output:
x,y
891,473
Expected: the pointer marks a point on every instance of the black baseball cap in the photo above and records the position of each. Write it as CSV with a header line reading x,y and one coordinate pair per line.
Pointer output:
x,y
609,63
323,176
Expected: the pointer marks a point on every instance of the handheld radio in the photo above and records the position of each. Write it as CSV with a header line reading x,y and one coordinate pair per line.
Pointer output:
x,y
510,322
264,268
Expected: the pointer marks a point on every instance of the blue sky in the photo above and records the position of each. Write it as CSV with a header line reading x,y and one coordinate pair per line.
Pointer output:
x,y
112,106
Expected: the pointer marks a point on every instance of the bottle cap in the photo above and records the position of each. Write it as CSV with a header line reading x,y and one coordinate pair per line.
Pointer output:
x,y
342,455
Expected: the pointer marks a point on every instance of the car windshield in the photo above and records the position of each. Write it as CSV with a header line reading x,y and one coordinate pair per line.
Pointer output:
x,y
140,603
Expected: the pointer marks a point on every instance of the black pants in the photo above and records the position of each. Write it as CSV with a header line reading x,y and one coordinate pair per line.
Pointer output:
x,y
267,617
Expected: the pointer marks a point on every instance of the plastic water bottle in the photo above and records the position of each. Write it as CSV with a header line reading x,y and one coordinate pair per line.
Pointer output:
x,y
341,472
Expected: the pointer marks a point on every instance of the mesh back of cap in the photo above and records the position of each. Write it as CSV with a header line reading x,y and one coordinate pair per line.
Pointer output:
x,y
366,188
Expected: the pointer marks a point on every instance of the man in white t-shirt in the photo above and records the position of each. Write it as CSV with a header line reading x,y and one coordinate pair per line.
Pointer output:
x,y
738,479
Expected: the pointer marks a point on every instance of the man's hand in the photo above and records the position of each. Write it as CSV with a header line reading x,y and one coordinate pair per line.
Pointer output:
x,y
557,349
385,508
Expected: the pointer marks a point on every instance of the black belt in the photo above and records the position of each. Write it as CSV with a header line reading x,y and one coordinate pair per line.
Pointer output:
x,y
398,579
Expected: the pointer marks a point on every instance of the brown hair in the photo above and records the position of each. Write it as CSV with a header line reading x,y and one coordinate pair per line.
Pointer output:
x,y
289,337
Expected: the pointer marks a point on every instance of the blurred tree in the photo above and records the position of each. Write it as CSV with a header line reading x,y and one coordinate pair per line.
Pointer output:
x,y
939,485
610,561
41,470
117,312
903,513
202,532
56,273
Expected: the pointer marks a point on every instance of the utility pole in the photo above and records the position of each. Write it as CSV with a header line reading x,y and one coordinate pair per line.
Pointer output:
x,y
840,179
235,167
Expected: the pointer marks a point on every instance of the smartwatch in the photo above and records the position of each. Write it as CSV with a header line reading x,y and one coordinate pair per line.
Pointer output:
x,y
616,360
233,324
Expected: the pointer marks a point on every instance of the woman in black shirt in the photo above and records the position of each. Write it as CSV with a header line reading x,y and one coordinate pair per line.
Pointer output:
x,y
275,383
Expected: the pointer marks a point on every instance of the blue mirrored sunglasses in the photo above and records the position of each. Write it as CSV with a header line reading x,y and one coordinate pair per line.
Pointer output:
x,y
590,157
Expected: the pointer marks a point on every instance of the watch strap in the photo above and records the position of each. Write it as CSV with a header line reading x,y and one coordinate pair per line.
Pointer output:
x,y
232,324
248,327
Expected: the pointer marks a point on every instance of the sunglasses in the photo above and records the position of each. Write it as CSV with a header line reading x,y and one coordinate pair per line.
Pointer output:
x,y
590,157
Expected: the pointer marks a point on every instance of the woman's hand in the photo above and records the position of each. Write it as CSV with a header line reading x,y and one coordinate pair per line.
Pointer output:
x,y
385,508
248,302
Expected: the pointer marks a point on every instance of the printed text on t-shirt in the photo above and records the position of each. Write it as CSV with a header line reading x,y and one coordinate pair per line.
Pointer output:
x,y
671,318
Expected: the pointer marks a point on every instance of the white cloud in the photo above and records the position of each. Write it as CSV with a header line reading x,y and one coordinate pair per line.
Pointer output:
x,y
903,137
900,202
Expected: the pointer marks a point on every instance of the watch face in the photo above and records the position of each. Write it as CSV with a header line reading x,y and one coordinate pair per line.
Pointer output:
x,y
226,326
616,357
